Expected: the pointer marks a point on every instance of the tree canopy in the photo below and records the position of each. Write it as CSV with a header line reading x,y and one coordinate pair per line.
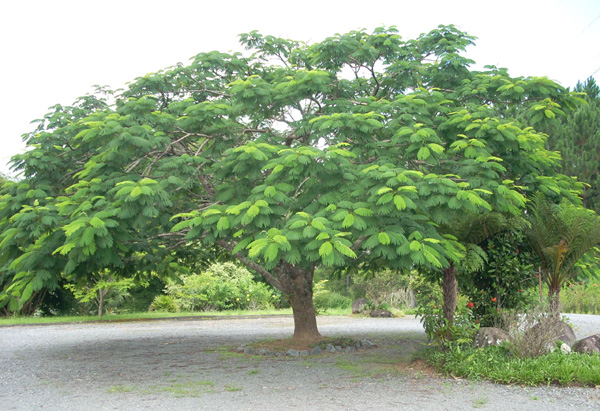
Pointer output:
x,y
360,148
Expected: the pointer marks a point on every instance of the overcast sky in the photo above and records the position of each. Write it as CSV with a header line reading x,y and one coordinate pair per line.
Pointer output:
x,y
53,51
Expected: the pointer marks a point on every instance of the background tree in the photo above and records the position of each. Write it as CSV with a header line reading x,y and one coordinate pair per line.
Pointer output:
x,y
354,150
577,137
561,235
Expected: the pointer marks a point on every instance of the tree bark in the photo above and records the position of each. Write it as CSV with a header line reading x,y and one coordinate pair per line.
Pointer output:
x,y
450,291
297,285
554,300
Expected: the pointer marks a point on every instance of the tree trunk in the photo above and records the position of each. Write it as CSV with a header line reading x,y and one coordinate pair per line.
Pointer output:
x,y
450,291
554,300
297,284
101,294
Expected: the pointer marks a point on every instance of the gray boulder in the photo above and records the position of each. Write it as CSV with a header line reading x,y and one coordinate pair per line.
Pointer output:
x,y
589,344
487,336
381,313
359,305
566,334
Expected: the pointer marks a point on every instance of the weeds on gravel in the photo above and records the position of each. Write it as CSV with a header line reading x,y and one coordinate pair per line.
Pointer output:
x,y
497,365
119,389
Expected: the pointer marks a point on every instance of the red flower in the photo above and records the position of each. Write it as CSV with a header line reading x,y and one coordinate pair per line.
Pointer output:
x,y
517,251
595,285
476,321
470,305
521,291
494,299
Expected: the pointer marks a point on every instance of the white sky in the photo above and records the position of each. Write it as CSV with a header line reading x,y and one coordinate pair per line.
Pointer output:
x,y
53,51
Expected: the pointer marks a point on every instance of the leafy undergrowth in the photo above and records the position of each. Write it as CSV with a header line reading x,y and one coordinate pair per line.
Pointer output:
x,y
497,365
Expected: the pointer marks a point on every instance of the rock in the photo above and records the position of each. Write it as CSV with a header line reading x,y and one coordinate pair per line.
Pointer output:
x,y
565,349
367,344
350,348
293,353
249,350
588,345
338,348
262,351
316,351
330,348
565,334
241,348
381,313
304,353
359,305
487,336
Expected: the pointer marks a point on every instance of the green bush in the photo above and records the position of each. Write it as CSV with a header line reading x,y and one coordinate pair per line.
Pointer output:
x,y
331,300
507,280
384,288
165,303
222,286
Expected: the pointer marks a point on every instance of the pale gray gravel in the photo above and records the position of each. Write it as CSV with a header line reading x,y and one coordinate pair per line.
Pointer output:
x,y
186,365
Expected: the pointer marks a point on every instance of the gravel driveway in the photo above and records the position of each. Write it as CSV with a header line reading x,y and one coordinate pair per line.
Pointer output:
x,y
189,364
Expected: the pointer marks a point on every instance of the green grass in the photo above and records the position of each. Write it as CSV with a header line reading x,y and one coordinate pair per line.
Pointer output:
x,y
15,320
119,389
497,365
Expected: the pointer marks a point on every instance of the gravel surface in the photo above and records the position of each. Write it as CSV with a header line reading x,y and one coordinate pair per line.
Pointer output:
x,y
190,365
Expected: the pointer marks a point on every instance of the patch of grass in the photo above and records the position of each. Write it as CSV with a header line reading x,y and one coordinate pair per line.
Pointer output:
x,y
480,402
119,389
182,389
15,320
253,372
232,388
497,365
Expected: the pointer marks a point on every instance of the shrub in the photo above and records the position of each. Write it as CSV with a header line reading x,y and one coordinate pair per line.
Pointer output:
x,y
331,300
507,280
222,286
384,288
532,333
164,303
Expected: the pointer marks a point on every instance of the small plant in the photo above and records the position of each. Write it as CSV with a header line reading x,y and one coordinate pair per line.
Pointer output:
x,y
232,388
164,303
119,389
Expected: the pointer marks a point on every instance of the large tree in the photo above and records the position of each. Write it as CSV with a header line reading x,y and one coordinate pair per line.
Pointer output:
x,y
360,148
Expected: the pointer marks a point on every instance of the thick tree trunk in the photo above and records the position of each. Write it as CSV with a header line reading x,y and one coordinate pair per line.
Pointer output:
x,y
297,284
450,291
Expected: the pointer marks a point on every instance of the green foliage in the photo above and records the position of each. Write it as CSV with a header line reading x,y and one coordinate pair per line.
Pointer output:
x,y
560,236
164,303
439,331
281,159
577,137
223,286
104,290
495,364
507,280
581,297
383,287
325,299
